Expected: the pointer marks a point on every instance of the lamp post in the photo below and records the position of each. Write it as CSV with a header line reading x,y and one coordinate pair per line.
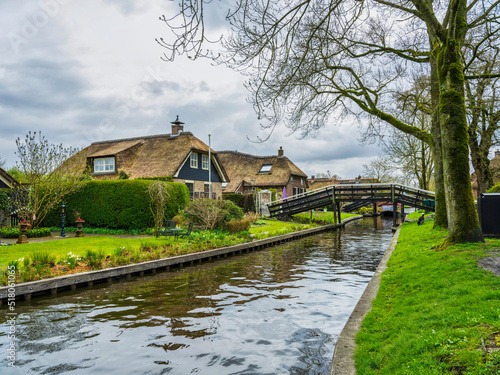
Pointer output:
x,y
209,169
63,217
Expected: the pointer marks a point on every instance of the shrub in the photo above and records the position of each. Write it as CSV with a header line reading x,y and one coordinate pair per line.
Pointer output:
x,y
159,178
43,258
211,214
94,258
238,225
119,204
32,233
245,201
494,189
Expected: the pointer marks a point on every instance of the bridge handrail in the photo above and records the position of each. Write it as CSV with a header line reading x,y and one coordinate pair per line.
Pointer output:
x,y
342,187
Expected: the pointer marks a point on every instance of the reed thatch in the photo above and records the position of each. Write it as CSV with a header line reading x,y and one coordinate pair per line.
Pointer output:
x,y
6,180
242,168
151,156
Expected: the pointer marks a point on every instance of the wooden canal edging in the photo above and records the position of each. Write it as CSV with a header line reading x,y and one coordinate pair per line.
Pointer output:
x,y
71,282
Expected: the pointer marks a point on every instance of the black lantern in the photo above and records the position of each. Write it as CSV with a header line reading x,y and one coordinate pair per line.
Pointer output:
x,y
63,217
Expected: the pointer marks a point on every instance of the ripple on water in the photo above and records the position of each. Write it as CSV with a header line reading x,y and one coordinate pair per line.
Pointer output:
x,y
277,311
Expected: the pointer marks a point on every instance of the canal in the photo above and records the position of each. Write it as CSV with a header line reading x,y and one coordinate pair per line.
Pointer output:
x,y
276,311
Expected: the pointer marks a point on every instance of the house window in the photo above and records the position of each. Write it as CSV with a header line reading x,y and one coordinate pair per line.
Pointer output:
x,y
194,160
291,179
103,165
265,169
204,162
302,181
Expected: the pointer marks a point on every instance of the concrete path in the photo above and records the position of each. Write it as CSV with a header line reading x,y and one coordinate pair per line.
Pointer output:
x,y
343,357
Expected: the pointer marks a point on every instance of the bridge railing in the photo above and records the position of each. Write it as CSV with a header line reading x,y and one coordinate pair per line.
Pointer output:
x,y
350,193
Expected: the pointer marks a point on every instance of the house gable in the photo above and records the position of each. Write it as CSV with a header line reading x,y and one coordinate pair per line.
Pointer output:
x,y
187,171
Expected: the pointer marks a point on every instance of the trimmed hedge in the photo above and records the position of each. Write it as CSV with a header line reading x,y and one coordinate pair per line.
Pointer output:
x,y
32,233
494,189
159,178
117,204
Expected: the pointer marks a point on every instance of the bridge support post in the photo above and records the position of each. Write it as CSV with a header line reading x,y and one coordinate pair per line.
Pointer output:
x,y
338,212
395,214
334,206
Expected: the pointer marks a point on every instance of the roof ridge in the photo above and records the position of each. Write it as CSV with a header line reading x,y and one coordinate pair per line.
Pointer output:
x,y
254,156
139,138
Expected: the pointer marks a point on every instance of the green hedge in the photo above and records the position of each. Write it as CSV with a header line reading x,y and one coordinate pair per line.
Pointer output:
x,y
494,189
117,204
32,233
159,178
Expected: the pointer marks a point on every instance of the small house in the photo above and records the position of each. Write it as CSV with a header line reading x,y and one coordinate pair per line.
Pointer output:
x,y
250,172
178,154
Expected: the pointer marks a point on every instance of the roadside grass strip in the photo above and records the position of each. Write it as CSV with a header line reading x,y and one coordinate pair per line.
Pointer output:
x,y
436,311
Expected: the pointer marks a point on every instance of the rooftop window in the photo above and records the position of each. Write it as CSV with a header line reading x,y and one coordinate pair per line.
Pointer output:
x,y
265,169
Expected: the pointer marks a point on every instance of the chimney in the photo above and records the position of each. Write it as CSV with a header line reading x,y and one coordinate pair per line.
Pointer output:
x,y
280,151
177,126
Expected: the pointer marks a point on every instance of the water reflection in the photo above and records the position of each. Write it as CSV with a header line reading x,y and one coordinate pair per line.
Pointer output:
x,y
271,312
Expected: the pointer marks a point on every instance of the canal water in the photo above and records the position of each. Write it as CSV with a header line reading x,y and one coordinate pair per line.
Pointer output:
x,y
276,311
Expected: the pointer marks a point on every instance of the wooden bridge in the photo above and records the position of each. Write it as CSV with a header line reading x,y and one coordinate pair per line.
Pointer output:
x,y
354,197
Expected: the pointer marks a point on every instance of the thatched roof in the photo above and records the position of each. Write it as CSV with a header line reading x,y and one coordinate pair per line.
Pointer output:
x,y
241,168
152,156
495,169
6,178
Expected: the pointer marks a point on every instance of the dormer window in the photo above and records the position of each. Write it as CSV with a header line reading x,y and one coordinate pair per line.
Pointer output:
x,y
104,165
265,169
194,160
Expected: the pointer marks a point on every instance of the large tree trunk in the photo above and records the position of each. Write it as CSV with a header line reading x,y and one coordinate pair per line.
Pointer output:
x,y
463,222
441,214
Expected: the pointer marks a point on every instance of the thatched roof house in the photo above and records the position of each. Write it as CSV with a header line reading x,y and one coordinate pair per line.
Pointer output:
x,y
495,169
178,154
6,180
247,172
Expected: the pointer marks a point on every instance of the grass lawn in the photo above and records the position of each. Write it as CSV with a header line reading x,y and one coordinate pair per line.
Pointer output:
x,y
323,216
415,215
436,311
36,261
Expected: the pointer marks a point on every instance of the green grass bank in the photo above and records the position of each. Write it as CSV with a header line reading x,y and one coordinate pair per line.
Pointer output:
x,y
436,311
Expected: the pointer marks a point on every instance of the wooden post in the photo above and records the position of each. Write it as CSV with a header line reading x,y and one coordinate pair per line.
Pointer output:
x,y
338,212
334,206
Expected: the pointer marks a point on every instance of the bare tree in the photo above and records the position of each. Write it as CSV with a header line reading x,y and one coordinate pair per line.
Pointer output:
x,y
310,60
483,111
383,170
49,172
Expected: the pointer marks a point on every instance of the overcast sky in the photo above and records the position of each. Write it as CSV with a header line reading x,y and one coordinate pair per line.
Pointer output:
x,y
85,71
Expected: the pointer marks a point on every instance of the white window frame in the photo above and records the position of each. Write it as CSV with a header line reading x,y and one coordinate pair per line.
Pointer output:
x,y
291,179
204,162
193,160
104,165
266,170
